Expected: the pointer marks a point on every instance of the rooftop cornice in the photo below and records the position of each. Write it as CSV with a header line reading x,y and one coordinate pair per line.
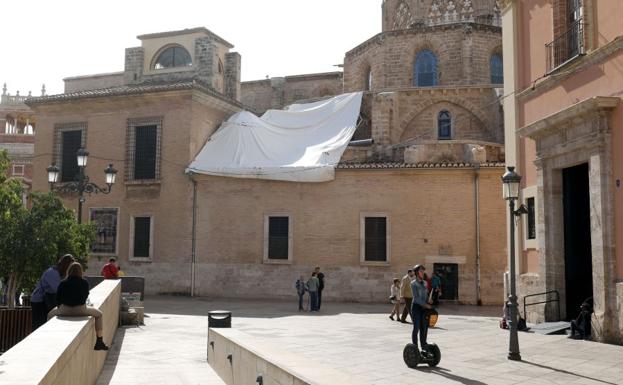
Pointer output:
x,y
399,165
185,32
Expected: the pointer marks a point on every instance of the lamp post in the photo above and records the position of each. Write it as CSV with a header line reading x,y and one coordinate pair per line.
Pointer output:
x,y
82,184
510,183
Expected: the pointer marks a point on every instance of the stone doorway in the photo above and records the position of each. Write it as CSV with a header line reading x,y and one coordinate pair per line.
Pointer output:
x,y
577,238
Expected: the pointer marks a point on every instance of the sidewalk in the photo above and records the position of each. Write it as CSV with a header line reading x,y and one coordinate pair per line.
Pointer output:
x,y
358,339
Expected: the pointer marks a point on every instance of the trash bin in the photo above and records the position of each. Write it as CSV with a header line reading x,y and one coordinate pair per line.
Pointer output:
x,y
219,319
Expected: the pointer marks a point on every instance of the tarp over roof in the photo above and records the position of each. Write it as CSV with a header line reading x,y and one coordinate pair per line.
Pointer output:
x,y
303,143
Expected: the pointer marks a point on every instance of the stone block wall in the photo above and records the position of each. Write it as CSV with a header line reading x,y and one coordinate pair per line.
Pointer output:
x,y
232,75
463,53
133,70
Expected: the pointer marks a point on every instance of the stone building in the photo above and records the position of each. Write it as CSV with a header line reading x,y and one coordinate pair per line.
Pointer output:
x,y
564,132
421,184
17,129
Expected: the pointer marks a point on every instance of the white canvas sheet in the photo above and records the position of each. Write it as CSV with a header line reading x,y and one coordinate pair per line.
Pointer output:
x,y
302,143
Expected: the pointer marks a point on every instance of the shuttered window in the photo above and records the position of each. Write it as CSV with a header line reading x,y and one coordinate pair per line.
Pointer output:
x,y
71,141
375,239
278,237
145,152
142,233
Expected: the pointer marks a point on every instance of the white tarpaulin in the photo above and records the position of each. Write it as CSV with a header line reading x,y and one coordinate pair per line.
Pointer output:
x,y
303,143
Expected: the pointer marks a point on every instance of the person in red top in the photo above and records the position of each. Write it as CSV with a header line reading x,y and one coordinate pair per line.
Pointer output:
x,y
110,270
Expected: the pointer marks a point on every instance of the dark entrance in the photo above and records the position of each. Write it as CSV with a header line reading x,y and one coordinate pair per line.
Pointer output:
x,y
449,274
577,227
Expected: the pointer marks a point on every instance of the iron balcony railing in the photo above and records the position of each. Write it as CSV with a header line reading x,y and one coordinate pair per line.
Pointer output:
x,y
566,46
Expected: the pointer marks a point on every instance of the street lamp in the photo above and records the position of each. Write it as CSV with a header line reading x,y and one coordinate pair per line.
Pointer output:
x,y
510,192
81,185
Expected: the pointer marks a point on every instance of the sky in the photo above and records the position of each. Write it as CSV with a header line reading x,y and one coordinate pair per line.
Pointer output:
x,y
44,41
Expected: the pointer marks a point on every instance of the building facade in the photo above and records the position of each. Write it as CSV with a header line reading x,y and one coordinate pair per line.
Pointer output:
x,y
564,132
420,185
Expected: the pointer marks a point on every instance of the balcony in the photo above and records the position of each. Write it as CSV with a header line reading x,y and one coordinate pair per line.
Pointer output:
x,y
566,46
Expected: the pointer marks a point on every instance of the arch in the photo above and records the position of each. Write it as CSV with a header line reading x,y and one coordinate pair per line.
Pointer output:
x,y
496,68
425,69
444,125
172,56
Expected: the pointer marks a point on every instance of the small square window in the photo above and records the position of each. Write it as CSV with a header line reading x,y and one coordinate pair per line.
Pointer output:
x,y
18,170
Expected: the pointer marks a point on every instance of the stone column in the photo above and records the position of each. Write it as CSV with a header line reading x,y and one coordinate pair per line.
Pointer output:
x,y
232,75
133,71
205,59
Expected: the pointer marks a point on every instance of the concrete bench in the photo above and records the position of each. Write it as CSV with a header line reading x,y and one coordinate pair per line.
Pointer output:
x,y
61,351
239,358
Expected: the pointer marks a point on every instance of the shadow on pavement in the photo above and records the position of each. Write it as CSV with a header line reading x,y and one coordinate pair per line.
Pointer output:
x,y
448,374
113,357
252,308
567,372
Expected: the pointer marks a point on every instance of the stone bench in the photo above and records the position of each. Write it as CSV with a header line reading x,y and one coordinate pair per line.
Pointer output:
x,y
61,351
239,358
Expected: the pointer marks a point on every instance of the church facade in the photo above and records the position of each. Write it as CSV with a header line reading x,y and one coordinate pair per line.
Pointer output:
x,y
419,184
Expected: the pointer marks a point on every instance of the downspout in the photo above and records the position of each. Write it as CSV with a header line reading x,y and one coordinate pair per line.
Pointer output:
x,y
477,209
194,237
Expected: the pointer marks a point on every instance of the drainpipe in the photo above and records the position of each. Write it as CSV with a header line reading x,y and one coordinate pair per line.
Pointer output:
x,y
477,209
194,237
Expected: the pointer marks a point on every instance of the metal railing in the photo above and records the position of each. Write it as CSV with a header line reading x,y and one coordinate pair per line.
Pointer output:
x,y
555,299
566,46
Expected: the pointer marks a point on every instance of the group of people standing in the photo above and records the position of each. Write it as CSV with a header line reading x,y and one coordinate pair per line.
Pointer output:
x,y
62,290
314,286
401,291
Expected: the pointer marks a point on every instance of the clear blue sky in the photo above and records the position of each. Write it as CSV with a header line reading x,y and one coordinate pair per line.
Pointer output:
x,y
45,41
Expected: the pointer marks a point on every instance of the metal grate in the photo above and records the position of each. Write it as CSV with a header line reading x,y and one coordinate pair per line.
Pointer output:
x,y
376,239
142,231
278,234
105,221
65,159
143,148
566,46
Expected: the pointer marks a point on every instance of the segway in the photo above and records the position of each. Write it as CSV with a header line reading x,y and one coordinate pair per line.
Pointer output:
x,y
431,356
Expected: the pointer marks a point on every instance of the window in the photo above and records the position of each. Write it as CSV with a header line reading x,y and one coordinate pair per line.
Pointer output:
x,y
568,33
531,233
105,221
173,57
68,138
18,170
368,80
497,69
444,125
141,236
425,69
277,238
143,149
375,238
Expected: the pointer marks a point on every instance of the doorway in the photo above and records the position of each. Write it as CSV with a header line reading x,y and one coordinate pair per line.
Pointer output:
x,y
449,274
577,238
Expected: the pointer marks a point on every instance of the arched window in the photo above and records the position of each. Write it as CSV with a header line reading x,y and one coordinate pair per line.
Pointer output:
x,y
173,57
368,80
497,69
425,69
444,125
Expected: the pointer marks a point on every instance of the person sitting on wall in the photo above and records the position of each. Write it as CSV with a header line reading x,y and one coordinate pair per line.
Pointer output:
x,y
110,270
72,295
581,326
43,298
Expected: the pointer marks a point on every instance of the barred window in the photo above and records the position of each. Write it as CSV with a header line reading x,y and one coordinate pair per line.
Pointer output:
x,y
144,137
141,244
278,229
531,218
68,138
105,221
375,239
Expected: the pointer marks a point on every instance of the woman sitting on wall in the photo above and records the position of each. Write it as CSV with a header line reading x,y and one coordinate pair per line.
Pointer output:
x,y
72,294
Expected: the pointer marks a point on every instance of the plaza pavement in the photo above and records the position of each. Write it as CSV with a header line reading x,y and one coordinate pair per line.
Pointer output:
x,y
358,339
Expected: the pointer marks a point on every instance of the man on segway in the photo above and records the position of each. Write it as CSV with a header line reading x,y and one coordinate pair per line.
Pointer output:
x,y
420,310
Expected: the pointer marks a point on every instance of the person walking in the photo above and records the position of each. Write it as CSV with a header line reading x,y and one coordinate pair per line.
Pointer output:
x,y
312,285
320,277
419,307
72,295
43,298
436,287
301,288
110,270
394,291
407,295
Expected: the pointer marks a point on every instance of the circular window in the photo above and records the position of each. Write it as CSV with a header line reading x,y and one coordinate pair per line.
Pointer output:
x,y
173,57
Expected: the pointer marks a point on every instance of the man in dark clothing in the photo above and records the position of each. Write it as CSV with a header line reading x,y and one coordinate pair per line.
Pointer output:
x,y
581,326
320,277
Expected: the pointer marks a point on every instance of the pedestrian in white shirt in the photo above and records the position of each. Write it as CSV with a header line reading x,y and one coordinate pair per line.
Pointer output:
x,y
395,299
